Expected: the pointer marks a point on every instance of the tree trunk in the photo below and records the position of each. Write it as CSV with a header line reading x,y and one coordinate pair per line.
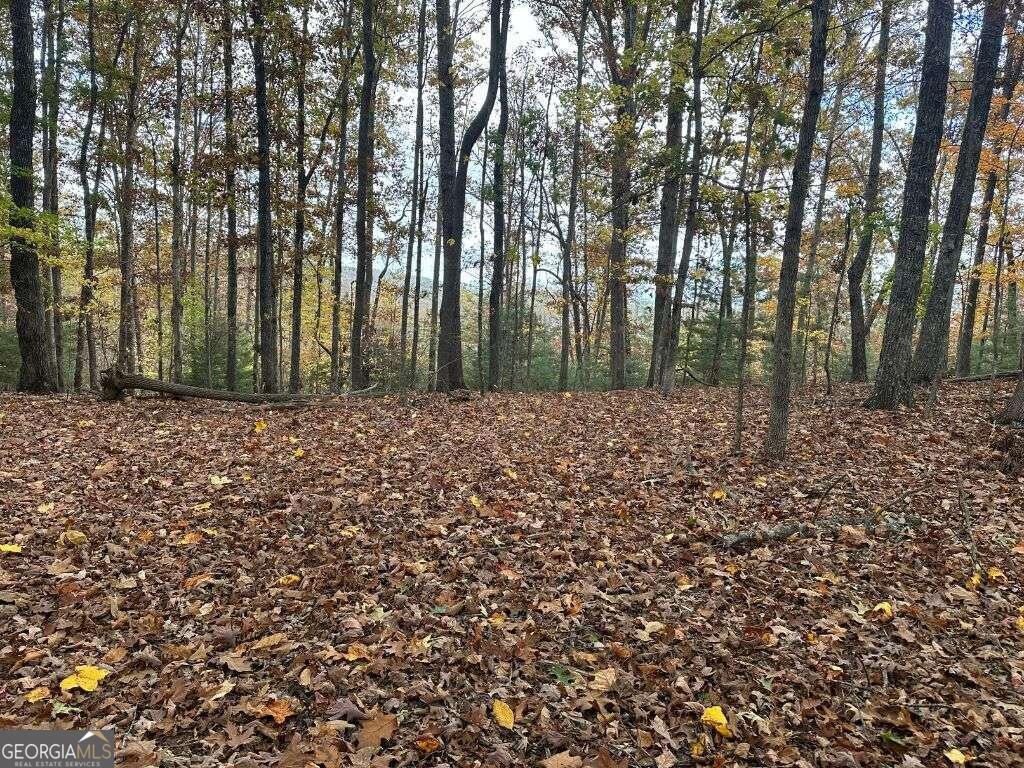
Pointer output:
x,y
177,224
453,170
35,374
933,343
855,275
299,244
339,214
778,420
1013,69
358,373
264,243
892,382
494,327
415,226
230,153
668,345
668,225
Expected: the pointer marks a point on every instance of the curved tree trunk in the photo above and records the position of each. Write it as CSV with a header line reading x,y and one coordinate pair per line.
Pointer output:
x,y
855,275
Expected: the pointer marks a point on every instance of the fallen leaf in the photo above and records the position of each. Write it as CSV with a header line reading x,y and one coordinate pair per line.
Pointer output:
x,y
882,612
956,757
10,549
428,744
38,694
503,714
562,760
604,680
376,727
86,677
715,717
73,538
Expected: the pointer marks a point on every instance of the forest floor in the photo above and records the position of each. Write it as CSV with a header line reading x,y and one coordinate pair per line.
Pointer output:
x,y
518,580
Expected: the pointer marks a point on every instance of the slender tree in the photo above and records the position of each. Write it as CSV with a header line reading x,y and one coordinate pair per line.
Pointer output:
x,y
778,420
268,340
855,275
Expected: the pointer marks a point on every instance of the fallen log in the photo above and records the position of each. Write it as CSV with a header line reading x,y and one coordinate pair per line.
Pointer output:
x,y
114,384
987,376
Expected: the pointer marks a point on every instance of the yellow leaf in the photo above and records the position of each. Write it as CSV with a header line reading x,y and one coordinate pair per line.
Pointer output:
x,y
87,678
882,612
1019,622
45,509
718,494
697,747
995,575
299,453
715,717
956,757
219,481
73,538
475,501
190,538
974,581
13,549
288,580
503,714
511,473
38,694
259,426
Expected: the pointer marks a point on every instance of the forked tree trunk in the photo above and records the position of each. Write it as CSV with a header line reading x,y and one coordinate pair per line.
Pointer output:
x,y
892,382
933,343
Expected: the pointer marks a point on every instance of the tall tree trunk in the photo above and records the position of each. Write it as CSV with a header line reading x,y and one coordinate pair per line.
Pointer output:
x,y
494,328
230,152
300,55
178,213
435,293
126,361
1013,67
159,268
453,178
415,226
892,382
933,343
855,275
778,420
668,224
668,344
480,283
35,374
364,200
264,243
339,212
55,63
569,247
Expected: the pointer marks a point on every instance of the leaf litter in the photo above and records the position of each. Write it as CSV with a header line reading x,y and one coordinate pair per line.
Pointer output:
x,y
517,580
